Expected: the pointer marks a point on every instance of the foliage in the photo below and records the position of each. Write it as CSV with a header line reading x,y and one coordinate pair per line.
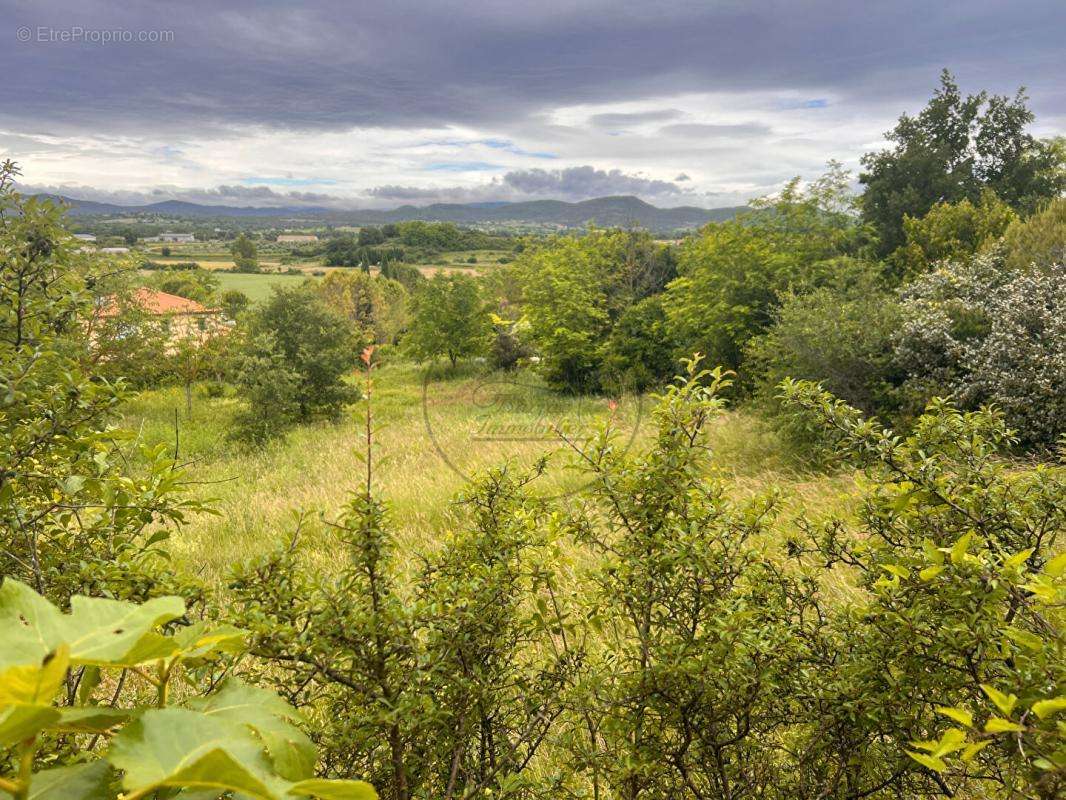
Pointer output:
x,y
703,633
245,254
448,318
640,352
454,690
235,739
376,306
406,275
293,363
508,347
72,518
233,303
955,550
988,335
733,273
951,232
200,285
575,289
954,149
840,336
1039,240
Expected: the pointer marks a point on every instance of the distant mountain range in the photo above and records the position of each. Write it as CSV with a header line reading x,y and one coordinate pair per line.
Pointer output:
x,y
606,211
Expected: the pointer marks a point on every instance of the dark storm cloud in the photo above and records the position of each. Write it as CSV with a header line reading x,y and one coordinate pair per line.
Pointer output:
x,y
333,64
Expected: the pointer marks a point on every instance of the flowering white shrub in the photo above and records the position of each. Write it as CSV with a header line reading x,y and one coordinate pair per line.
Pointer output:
x,y
990,335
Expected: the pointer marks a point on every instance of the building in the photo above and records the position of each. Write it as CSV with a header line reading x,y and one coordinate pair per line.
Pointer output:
x,y
184,318
179,238
297,238
114,250
84,237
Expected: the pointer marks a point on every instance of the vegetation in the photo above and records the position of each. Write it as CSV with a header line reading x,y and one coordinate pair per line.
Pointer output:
x,y
851,584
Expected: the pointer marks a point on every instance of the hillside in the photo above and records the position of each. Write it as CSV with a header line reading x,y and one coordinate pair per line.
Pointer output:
x,y
605,211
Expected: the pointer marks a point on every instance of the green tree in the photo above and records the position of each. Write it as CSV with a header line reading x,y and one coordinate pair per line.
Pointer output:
x,y
956,147
294,362
234,302
448,318
951,232
245,255
73,519
1039,240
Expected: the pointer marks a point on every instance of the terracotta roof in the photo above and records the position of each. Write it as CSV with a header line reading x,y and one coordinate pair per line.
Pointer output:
x,y
159,303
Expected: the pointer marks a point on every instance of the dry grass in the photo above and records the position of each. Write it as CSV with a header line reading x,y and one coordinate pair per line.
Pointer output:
x,y
431,437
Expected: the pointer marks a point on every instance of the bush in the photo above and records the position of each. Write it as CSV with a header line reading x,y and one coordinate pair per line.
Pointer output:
x,y
1039,240
989,335
640,352
449,318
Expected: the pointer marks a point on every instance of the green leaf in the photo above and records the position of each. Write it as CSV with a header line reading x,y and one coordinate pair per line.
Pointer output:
x,y
952,740
89,719
197,642
929,573
1025,639
960,549
960,715
1045,708
176,747
898,571
334,790
972,750
34,683
20,722
99,631
1018,559
931,762
1056,566
77,782
1000,725
1004,702
289,748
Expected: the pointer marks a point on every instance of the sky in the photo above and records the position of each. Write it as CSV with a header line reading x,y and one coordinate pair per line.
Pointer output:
x,y
379,104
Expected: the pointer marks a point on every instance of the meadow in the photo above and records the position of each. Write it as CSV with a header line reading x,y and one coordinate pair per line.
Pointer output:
x,y
432,436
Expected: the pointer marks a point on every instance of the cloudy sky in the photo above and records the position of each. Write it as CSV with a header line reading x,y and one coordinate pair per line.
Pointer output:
x,y
384,102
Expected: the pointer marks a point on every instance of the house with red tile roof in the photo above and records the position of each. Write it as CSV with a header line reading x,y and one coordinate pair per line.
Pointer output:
x,y
184,318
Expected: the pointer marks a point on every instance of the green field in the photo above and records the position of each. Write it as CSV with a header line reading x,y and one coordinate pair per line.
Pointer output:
x,y
257,286
421,468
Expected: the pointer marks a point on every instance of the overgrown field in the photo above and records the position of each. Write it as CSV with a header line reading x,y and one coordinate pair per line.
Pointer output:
x,y
476,421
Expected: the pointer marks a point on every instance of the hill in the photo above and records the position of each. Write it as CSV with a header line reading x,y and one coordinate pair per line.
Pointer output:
x,y
605,211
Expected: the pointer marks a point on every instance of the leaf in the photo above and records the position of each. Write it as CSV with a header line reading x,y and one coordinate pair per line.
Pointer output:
x,y
203,639
20,722
1004,702
1056,566
77,782
334,790
289,748
1018,559
960,548
960,715
895,569
931,762
36,683
929,573
952,740
1045,708
1000,725
972,750
1025,639
99,631
89,719
180,748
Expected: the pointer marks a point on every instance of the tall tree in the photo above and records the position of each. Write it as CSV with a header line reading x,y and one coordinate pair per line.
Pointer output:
x,y
450,318
953,149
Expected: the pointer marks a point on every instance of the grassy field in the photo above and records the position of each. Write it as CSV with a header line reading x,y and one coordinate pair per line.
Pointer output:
x,y
433,435
257,286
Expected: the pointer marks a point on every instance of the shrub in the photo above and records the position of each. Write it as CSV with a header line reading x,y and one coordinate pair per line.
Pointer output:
x,y
1039,240
989,335
449,318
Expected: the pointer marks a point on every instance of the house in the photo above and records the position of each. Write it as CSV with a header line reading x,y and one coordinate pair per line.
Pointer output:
x,y
114,250
297,238
180,238
184,318
84,237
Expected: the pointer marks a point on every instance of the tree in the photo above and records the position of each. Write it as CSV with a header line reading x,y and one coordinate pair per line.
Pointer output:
x,y
448,318
294,362
1037,241
952,150
73,518
376,306
233,303
733,273
197,284
951,232
245,255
